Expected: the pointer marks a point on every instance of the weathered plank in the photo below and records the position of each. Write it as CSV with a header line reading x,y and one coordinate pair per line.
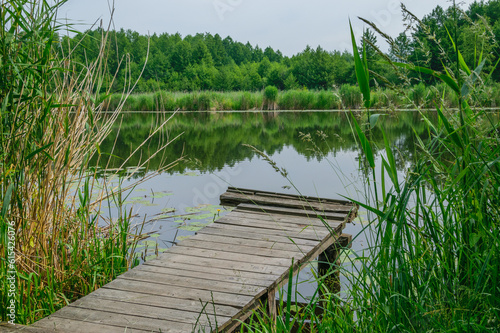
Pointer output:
x,y
148,311
220,275
231,256
296,236
281,218
231,273
236,196
239,249
189,282
291,211
264,244
274,225
124,320
165,302
55,324
219,263
259,237
191,293
6,327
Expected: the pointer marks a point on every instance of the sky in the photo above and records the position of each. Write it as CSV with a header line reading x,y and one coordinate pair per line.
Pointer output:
x,y
285,25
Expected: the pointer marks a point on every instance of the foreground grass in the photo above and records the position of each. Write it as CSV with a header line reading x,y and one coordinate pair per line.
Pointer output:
x,y
431,264
56,243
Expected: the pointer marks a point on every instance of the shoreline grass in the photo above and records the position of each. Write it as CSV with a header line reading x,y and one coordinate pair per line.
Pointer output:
x,y
344,98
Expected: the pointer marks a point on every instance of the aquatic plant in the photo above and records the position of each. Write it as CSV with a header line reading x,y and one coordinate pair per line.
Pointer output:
x,y
57,244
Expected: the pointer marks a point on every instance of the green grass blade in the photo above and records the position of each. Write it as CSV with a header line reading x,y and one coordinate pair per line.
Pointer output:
x,y
6,200
365,144
361,71
461,60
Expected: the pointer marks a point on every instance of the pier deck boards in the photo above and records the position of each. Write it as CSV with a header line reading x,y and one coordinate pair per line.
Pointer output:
x,y
215,277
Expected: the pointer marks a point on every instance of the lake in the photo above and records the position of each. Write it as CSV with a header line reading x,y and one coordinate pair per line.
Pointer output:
x,y
316,149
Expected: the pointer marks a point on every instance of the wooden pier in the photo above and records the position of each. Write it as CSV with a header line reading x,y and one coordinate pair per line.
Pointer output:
x,y
217,277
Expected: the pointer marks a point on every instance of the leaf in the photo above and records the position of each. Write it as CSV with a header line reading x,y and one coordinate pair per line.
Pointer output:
x,y
472,78
451,131
361,71
365,144
461,60
443,77
391,168
40,150
374,118
6,200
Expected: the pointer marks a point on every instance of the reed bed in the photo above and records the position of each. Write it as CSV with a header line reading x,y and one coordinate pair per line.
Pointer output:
x,y
343,98
57,244
431,263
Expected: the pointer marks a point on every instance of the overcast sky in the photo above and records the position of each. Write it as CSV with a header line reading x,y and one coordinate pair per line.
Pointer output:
x,y
287,25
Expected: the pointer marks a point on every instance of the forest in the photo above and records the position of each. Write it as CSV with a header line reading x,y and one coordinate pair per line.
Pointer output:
x,y
169,61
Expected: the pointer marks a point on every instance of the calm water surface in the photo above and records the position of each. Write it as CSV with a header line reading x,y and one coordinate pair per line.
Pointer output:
x,y
317,150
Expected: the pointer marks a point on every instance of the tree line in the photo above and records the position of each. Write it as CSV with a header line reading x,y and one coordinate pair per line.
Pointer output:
x,y
210,62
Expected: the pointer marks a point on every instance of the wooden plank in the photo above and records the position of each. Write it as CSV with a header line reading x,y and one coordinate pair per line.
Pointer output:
x,y
230,256
271,245
259,237
232,198
148,311
296,236
290,196
281,218
213,262
188,282
232,274
291,211
273,225
223,275
242,249
223,298
164,301
6,327
123,320
282,280
62,325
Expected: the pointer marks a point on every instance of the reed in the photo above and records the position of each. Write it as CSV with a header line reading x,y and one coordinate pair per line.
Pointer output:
x,y
57,244
431,262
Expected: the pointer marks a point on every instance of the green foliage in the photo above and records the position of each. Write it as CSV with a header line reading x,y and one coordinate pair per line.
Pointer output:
x,y
51,125
271,93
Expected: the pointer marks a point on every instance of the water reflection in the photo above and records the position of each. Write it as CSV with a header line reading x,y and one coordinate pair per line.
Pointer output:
x,y
214,140
317,149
